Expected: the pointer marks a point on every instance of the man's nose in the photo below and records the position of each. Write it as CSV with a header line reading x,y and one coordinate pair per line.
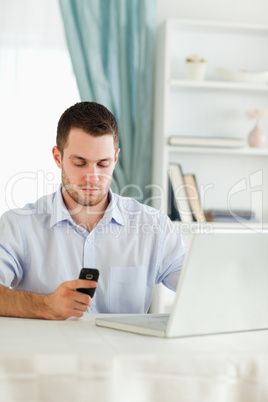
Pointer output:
x,y
92,175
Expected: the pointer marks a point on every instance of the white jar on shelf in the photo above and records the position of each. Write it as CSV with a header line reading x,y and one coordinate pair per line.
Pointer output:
x,y
196,67
196,70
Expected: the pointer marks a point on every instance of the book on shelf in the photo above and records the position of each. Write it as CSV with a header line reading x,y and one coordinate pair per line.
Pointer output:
x,y
194,198
221,142
230,215
180,200
173,212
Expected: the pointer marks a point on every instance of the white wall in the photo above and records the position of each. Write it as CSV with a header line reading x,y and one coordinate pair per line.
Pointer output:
x,y
248,11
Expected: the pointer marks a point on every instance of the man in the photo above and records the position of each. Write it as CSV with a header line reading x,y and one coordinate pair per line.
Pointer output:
x,y
44,245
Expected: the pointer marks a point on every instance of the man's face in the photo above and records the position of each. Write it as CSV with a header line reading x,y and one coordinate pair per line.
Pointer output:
x,y
87,166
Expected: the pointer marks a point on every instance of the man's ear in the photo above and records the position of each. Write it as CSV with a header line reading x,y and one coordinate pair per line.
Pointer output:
x,y
57,156
116,155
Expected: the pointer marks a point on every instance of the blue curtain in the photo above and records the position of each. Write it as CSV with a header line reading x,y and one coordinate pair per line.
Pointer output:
x,y
111,48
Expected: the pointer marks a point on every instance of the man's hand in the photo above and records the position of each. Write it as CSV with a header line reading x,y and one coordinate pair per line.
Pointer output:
x,y
67,302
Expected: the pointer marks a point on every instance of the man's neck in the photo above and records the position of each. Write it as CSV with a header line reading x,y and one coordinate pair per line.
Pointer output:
x,y
86,217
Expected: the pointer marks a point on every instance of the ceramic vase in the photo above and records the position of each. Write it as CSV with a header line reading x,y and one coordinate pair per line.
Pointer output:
x,y
257,137
196,70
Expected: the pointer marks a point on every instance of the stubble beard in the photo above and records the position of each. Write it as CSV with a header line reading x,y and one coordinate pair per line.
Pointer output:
x,y
81,198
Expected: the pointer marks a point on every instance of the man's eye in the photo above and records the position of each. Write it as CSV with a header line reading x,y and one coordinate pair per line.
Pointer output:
x,y
79,164
103,165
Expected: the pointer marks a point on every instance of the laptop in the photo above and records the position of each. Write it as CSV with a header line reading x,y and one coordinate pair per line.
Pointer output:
x,y
223,288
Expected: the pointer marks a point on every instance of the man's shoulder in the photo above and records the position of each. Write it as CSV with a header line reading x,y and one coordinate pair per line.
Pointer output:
x,y
131,206
42,206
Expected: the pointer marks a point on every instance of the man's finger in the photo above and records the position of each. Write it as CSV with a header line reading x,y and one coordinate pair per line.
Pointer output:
x,y
81,283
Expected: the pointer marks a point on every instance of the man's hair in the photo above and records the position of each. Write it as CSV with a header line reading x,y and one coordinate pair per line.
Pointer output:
x,y
93,118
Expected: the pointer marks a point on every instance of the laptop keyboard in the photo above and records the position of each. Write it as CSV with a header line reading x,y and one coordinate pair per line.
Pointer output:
x,y
154,321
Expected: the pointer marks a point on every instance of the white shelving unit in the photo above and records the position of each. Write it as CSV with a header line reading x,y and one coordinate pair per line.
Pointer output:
x,y
211,108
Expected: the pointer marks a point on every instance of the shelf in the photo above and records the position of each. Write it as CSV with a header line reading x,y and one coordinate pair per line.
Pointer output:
x,y
217,26
240,86
224,151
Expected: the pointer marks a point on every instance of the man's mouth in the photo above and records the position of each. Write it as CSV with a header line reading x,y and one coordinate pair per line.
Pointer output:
x,y
90,190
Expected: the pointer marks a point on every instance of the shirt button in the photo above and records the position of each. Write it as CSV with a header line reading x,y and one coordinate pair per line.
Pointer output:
x,y
89,240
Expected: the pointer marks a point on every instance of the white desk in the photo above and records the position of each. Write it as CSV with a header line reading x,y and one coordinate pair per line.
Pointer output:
x,y
76,361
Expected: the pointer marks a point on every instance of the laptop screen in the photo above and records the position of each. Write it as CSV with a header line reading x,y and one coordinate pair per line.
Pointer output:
x,y
223,285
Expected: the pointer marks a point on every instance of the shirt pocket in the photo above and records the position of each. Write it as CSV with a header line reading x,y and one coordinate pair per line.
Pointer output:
x,y
128,289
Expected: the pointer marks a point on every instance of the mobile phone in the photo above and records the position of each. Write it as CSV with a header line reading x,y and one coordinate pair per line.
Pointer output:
x,y
92,274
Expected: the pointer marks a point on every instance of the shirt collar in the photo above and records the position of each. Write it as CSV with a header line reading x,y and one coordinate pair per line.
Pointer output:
x,y
60,212
113,213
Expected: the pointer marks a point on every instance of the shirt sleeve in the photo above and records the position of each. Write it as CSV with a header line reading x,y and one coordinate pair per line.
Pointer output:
x,y
172,255
11,250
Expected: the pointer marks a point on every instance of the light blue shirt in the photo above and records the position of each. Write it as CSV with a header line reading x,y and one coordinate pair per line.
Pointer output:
x,y
133,246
